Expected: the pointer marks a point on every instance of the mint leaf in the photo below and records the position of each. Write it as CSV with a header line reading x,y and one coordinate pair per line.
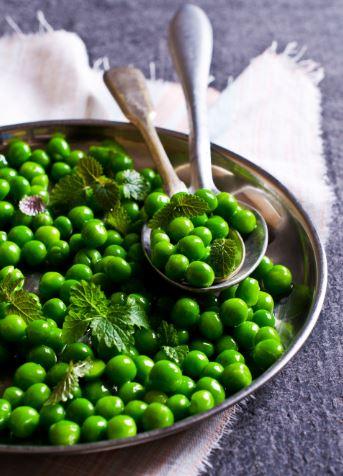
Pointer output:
x,y
181,204
168,334
67,386
113,332
176,354
134,185
226,255
89,169
118,218
106,193
19,301
68,192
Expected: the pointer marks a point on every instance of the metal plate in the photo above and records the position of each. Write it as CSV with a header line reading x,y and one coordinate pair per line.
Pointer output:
x,y
293,242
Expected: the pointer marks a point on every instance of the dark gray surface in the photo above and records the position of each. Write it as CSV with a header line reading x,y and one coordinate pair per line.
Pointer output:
x,y
293,425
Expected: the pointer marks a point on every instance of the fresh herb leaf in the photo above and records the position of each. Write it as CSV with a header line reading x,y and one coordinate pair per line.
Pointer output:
x,y
226,255
112,331
118,218
67,386
176,354
89,169
68,192
168,334
18,300
32,205
134,185
181,204
106,193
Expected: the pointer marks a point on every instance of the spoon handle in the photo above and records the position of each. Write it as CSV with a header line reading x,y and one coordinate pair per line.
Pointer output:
x,y
128,86
190,44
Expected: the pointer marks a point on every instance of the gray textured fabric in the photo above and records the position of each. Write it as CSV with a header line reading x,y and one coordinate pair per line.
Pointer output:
x,y
292,425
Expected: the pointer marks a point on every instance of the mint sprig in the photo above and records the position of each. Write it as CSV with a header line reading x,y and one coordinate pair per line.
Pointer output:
x,y
19,301
226,255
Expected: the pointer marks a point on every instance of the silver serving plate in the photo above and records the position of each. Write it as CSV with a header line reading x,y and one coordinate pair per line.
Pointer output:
x,y
293,241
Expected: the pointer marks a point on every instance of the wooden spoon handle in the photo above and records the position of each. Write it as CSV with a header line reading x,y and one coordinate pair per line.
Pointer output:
x,y
128,86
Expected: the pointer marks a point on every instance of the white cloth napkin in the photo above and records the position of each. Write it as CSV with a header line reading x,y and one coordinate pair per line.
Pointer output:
x,y
270,114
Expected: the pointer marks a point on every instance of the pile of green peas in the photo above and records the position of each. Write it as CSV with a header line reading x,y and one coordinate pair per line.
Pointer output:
x,y
231,337
182,251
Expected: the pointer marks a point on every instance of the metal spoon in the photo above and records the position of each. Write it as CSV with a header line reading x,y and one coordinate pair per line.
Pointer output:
x,y
128,87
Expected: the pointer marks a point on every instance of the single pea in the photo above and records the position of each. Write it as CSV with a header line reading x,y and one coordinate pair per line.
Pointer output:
x,y
176,267
132,210
243,221
262,269
14,395
201,401
155,396
165,376
179,405
192,247
34,253
185,313
199,220
40,157
79,216
55,309
113,238
77,351
64,226
94,391
43,355
265,301
94,234
146,341
120,369
143,365
94,428
9,254
109,406
159,236
245,334
20,187
267,352
204,346
59,170
12,328
161,252
118,297
209,197
5,412
50,414
8,173
90,258
179,228
4,188
115,250
117,269
248,290
136,253
74,157
79,272
66,289
218,227
233,311
278,281
228,293
225,343
235,377
96,370
28,374
229,356
204,233
58,148
65,433
227,205
29,170
200,274
55,339
36,395
75,243
210,325
157,416
183,336
213,370
101,154
50,284
56,373
23,421
79,409
41,219
18,153
130,239
214,387
266,332
194,363
121,426
20,235
119,161
41,181
186,386
135,409
149,174
154,202
263,318
131,391
38,332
